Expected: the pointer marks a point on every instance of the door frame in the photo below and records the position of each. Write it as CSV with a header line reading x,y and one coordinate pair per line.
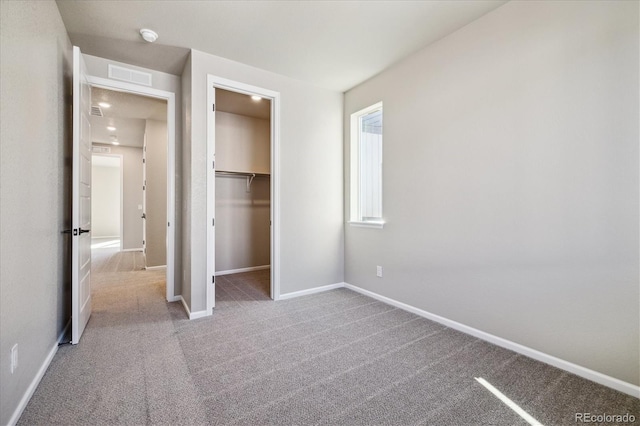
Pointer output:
x,y
214,82
121,167
170,97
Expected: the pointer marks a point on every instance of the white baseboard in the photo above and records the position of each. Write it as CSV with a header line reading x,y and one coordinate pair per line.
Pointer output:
x,y
578,370
310,291
33,386
198,314
39,375
156,268
193,315
174,298
237,271
132,249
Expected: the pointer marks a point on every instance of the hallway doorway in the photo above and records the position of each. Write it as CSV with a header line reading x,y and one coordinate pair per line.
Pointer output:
x,y
129,184
152,214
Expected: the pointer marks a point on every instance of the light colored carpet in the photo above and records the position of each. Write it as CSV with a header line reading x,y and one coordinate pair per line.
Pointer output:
x,y
333,358
111,259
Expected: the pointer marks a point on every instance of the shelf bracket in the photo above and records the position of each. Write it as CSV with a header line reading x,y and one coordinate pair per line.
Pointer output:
x,y
249,181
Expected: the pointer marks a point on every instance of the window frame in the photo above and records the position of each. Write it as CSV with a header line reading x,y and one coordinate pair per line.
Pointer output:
x,y
355,211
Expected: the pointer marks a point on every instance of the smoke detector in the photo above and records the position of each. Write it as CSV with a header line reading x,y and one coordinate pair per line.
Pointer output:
x,y
148,35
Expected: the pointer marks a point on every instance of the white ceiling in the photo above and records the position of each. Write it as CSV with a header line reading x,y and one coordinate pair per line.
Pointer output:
x,y
238,103
127,114
333,44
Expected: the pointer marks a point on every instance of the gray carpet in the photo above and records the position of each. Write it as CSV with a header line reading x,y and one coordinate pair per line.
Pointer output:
x,y
333,358
111,259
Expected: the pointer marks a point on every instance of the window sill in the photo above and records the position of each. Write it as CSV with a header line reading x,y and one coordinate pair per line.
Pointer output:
x,y
369,224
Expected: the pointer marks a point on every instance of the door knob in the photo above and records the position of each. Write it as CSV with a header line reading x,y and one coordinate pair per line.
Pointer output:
x,y
144,216
83,231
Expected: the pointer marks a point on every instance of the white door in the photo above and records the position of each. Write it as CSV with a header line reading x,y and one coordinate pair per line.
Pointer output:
x,y
81,215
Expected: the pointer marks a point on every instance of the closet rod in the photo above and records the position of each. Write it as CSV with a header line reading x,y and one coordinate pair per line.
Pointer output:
x,y
250,176
244,174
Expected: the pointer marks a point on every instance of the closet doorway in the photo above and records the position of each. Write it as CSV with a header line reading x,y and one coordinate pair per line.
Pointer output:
x,y
242,135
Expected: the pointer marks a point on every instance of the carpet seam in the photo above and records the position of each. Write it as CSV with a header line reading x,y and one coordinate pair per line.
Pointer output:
x,y
255,378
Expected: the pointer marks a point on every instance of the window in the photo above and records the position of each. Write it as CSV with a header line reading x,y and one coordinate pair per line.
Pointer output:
x,y
366,167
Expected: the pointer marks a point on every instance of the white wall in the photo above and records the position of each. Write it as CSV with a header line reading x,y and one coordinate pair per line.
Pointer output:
x,y
185,225
511,181
35,64
105,201
242,223
156,203
310,177
243,144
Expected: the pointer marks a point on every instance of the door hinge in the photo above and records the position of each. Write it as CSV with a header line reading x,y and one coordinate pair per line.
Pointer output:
x,y
214,108
213,279
213,222
168,224
213,164
143,187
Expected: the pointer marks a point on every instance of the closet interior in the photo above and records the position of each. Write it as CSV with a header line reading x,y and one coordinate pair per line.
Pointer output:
x,y
242,197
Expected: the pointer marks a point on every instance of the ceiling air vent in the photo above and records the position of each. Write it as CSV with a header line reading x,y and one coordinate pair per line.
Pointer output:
x,y
96,110
132,76
101,149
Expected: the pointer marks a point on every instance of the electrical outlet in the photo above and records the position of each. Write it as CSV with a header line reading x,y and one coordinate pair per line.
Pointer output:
x,y
14,358
379,271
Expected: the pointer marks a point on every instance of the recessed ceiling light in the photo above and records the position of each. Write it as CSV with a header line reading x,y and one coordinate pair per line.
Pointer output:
x,y
256,98
115,143
148,35
104,105
111,128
